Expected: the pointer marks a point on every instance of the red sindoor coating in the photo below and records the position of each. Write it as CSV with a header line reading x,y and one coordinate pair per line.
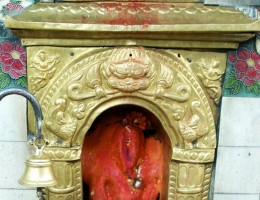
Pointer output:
x,y
120,163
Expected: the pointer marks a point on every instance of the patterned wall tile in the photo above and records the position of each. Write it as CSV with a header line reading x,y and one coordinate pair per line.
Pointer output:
x,y
12,54
243,71
13,6
12,63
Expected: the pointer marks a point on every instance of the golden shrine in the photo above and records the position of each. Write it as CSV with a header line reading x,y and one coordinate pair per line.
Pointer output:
x,y
91,64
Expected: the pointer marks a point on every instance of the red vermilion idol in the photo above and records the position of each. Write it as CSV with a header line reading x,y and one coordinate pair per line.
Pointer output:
x,y
119,162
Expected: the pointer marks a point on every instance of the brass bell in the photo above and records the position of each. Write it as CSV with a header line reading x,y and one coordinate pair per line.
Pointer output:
x,y
39,168
38,172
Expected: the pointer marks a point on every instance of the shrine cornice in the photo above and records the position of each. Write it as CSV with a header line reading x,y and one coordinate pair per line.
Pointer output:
x,y
133,23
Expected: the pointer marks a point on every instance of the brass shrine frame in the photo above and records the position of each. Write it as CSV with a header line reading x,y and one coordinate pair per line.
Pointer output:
x,y
71,102
71,52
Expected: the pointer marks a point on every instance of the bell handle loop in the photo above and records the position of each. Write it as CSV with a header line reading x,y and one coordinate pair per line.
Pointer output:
x,y
39,150
34,103
36,143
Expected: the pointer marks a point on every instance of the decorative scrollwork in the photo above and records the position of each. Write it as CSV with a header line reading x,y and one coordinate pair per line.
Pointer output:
x,y
62,121
131,71
128,70
75,92
192,124
95,81
182,94
45,68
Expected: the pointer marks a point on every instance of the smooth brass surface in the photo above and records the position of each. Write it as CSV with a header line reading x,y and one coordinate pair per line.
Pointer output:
x,y
38,172
131,42
169,25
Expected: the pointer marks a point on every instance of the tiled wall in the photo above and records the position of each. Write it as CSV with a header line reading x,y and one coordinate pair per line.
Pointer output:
x,y
13,148
13,130
12,54
238,155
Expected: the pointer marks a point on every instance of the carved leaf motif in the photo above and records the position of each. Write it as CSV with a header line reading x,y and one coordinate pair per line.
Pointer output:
x,y
75,92
79,76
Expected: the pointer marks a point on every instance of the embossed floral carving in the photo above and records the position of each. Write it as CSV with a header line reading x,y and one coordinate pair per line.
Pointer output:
x,y
45,67
91,82
156,80
129,70
192,122
211,77
62,121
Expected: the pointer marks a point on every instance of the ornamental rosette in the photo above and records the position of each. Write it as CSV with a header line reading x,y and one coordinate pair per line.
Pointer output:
x,y
247,65
244,71
13,59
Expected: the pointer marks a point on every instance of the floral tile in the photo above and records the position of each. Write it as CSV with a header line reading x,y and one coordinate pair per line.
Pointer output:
x,y
243,71
12,6
12,64
12,54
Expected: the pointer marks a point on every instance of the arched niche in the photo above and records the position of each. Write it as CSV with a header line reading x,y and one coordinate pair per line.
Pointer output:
x,y
103,141
175,138
162,82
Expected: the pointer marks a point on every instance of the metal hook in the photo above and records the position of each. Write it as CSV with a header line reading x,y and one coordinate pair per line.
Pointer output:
x,y
39,168
34,103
